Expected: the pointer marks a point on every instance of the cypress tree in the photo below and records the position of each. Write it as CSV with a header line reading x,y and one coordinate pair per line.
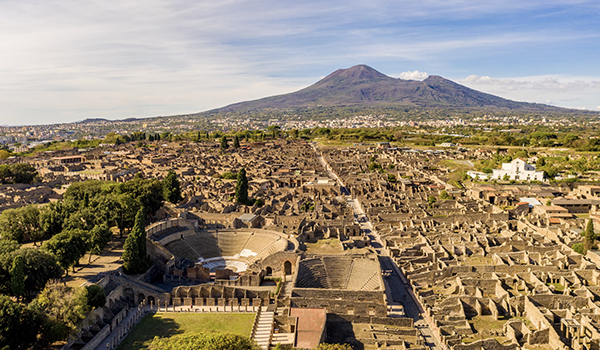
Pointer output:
x,y
171,188
224,143
236,142
241,187
17,277
589,236
134,249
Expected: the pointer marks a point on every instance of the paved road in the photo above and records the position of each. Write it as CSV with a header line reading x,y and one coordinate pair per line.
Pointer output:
x,y
398,292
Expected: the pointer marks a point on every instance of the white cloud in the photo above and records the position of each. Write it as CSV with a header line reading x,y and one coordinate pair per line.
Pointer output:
x,y
558,90
548,82
414,75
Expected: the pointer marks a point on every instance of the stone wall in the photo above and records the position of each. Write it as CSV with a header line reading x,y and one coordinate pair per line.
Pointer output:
x,y
341,302
387,321
539,320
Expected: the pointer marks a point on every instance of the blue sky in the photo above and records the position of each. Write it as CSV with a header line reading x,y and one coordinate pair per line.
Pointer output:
x,y
67,60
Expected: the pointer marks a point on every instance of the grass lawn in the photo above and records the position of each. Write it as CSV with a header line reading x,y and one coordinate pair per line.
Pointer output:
x,y
325,246
457,165
169,324
482,325
557,286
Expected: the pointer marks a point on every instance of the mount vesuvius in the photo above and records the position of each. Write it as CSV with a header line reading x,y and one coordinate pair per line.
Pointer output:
x,y
362,85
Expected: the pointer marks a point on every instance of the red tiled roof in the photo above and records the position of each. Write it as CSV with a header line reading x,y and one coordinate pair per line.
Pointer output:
x,y
311,324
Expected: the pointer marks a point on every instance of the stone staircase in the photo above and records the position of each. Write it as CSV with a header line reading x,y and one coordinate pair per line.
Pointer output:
x,y
262,331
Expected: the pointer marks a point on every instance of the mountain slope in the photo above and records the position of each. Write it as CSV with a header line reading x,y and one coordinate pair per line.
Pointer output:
x,y
362,85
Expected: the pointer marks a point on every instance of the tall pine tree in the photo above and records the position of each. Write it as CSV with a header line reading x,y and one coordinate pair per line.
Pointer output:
x,y
134,249
17,277
224,143
589,236
171,188
241,187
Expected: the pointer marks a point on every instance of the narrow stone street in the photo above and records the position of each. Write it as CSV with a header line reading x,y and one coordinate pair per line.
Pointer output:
x,y
398,290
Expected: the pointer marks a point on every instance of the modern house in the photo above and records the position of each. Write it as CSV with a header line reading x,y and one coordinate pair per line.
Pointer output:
x,y
518,170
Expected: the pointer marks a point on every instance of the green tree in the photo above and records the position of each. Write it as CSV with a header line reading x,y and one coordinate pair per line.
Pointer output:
x,y
147,192
17,277
96,297
578,248
134,249
68,247
590,237
21,224
431,200
236,142
127,208
51,219
39,266
8,246
224,143
241,187
10,226
334,347
274,129
171,188
5,174
19,325
444,195
98,238
64,306
30,220
84,219
23,173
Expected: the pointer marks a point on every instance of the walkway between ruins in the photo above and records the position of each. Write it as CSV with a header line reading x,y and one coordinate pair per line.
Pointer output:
x,y
399,291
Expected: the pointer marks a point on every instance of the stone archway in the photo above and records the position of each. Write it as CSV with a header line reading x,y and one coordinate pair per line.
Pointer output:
x,y
151,300
287,268
141,297
269,271
129,296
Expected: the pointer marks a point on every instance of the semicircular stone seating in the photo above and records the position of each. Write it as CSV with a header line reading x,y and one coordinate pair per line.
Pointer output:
x,y
332,272
227,249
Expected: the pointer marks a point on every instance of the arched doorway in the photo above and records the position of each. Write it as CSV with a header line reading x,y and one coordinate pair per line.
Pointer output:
x,y
141,297
287,268
129,295
269,271
151,300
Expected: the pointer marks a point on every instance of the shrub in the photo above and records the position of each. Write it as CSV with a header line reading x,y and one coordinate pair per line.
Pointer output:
x,y
578,247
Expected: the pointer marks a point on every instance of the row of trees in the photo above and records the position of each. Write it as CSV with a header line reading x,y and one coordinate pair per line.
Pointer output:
x,y
50,317
17,173
43,312
86,205
75,226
